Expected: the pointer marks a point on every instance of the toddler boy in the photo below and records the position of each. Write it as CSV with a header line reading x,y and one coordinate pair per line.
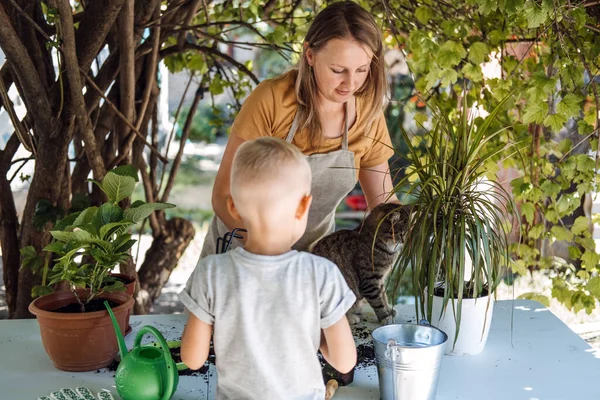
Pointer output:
x,y
270,308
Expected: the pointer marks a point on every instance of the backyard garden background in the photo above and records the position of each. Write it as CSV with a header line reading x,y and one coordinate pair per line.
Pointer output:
x,y
82,80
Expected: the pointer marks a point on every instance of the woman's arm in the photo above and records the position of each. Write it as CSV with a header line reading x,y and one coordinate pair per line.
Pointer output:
x,y
376,184
221,191
195,342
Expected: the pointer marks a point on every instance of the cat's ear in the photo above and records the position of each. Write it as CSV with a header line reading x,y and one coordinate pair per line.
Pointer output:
x,y
232,210
303,206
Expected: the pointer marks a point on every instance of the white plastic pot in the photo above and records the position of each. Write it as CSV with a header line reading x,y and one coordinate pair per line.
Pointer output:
x,y
476,318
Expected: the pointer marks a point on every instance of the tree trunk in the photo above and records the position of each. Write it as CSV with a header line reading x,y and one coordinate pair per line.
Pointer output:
x,y
162,258
9,225
10,244
46,184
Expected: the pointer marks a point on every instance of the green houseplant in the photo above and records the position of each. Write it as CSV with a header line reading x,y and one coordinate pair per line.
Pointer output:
x,y
86,246
457,244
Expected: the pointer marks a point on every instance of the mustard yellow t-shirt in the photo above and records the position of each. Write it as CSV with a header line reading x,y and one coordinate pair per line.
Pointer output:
x,y
270,109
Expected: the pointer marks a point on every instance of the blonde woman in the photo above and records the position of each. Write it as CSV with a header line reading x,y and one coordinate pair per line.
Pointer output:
x,y
330,106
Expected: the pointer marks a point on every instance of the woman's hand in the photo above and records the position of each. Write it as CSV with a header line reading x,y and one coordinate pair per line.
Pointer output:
x,y
376,184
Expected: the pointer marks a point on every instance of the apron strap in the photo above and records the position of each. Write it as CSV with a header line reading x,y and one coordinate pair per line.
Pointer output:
x,y
345,135
294,128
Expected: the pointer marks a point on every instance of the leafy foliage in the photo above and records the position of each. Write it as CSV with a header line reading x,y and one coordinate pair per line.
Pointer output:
x,y
88,244
547,54
207,123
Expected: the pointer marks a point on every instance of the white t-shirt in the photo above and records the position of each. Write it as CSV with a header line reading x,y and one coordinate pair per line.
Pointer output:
x,y
267,314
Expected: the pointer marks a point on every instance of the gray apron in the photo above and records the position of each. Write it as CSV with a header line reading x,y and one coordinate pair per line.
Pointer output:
x,y
333,177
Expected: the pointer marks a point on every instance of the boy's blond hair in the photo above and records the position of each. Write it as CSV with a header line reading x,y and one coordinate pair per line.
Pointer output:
x,y
269,167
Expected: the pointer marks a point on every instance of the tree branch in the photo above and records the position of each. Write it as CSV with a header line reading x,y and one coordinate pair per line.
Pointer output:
x,y
175,118
120,115
33,24
591,28
102,81
142,167
6,155
108,73
33,94
527,51
239,24
144,12
295,5
595,92
205,6
6,76
22,133
184,136
268,7
75,86
99,16
239,44
152,63
192,46
127,76
154,135
194,4
9,226
36,45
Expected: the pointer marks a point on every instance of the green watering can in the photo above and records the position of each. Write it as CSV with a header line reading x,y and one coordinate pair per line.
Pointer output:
x,y
146,372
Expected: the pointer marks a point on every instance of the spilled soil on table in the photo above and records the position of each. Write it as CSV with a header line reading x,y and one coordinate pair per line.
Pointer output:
x,y
366,351
365,359
176,355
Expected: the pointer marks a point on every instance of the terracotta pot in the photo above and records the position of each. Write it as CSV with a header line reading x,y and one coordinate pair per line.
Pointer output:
x,y
129,281
79,341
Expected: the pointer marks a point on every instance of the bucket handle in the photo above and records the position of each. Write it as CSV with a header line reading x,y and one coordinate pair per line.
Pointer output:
x,y
392,351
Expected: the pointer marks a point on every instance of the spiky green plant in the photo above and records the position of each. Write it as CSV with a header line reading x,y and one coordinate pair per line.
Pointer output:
x,y
452,216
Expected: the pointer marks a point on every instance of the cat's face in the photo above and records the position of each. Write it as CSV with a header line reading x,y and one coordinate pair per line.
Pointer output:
x,y
395,222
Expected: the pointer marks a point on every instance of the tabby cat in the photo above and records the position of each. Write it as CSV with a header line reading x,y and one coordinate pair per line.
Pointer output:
x,y
364,267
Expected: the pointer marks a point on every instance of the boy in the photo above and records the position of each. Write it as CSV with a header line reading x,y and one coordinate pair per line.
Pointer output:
x,y
271,308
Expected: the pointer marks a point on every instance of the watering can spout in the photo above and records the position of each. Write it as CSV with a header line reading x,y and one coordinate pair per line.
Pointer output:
x,y
120,338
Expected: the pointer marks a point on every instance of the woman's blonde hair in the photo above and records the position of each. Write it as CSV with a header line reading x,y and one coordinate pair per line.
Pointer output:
x,y
341,20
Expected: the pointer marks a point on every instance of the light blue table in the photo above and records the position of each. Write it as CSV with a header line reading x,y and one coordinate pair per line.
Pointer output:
x,y
530,355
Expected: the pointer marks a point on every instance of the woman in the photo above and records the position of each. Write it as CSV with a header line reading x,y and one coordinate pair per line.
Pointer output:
x,y
331,107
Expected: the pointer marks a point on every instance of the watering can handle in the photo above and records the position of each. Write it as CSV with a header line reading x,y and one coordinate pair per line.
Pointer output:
x,y
168,390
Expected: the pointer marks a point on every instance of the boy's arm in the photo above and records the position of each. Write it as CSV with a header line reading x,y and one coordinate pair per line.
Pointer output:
x,y
195,342
337,346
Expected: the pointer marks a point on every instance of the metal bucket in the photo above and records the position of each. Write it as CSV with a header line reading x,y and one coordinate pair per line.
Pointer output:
x,y
408,360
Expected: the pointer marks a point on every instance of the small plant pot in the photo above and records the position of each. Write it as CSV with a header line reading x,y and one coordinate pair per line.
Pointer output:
x,y
79,341
476,318
129,281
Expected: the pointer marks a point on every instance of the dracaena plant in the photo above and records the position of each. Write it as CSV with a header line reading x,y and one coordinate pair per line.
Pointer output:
x,y
88,244
460,210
